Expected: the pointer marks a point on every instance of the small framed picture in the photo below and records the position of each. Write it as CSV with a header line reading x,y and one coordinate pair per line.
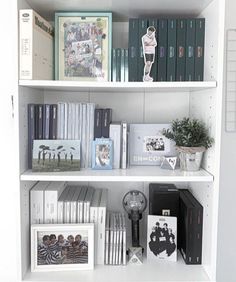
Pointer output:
x,y
162,237
56,155
102,153
83,46
56,247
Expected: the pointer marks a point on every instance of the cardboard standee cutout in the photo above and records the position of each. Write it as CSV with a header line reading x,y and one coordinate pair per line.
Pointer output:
x,y
149,45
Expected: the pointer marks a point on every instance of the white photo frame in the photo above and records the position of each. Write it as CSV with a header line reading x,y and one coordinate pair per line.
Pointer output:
x,y
59,258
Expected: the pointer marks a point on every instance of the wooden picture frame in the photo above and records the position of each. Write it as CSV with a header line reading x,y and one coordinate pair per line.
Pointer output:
x,y
83,46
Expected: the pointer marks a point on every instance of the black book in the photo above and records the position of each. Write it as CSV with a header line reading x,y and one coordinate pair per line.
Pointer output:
x,y
197,227
190,45
153,74
98,123
53,122
185,229
142,29
106,121
133,49
199,49
31,132
163,199
171,50
46,121
162,50
180,50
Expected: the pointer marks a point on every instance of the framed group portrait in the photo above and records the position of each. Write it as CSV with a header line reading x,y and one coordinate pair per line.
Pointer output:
x,y
83,46
56,247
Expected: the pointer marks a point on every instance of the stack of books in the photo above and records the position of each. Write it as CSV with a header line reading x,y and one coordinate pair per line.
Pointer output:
x,y
119,66
59,202
179,53
115,246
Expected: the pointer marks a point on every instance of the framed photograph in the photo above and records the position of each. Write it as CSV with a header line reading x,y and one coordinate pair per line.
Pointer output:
x,y
83,46
56,155
102,157
162,237
147,145
56,247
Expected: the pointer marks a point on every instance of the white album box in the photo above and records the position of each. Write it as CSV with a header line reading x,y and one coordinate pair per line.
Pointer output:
x,y
36,46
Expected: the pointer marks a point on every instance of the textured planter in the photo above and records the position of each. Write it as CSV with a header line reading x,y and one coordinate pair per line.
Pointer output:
x,y
190,157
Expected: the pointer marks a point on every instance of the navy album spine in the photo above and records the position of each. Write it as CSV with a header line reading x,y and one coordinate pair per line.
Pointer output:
x,y
171,50
31,132
190,45
118,64
106,121
98,123
199,50
180,52
133,49
46,121
53,122
162,50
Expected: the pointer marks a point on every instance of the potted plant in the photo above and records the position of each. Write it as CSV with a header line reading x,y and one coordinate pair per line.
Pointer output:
x,y
192,140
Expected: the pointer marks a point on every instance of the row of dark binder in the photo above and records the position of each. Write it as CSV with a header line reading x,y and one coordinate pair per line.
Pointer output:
x,y
166,199
179,53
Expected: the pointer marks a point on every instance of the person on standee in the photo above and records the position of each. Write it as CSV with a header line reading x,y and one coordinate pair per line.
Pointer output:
x,y
149,44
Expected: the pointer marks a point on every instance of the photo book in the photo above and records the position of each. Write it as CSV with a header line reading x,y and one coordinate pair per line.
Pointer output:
x,y
148,145
162,238
56,155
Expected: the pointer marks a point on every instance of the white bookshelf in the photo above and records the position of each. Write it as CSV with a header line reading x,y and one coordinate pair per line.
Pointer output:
x,y
148,272
132,174
185,86
135,102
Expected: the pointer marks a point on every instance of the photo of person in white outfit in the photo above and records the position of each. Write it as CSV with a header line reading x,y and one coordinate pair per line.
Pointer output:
x,y
149,44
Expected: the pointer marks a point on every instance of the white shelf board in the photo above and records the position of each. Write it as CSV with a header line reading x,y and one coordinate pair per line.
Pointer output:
x,y
175,86
147,272
122,9
132,174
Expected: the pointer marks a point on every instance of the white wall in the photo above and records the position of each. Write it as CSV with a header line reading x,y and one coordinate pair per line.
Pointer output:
x,y
9,205
226,258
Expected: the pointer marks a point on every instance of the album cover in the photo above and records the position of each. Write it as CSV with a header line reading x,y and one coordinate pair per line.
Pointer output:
x,y
56,155
148,145
162,238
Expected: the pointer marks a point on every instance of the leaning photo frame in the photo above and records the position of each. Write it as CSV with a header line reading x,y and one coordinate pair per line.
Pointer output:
x,y
61,247
83,46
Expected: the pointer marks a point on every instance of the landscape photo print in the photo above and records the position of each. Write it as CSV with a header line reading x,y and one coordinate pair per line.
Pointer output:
x,y
56,155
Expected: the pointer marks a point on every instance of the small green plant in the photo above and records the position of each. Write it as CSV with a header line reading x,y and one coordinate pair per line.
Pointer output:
x,y
189,133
